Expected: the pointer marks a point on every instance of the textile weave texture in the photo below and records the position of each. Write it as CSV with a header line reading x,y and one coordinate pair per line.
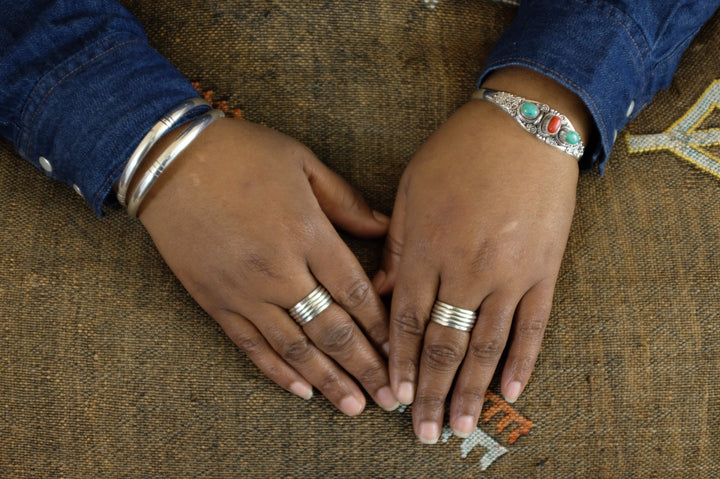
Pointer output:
x,y
109,369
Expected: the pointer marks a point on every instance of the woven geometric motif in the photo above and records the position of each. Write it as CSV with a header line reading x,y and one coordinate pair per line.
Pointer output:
x,y
496,408
685,138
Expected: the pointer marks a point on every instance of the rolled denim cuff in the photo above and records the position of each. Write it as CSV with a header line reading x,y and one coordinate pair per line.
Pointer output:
x,y
591,48
84,118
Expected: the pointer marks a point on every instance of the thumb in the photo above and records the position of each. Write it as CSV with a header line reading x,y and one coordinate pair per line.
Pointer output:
x,y
343,204
384,280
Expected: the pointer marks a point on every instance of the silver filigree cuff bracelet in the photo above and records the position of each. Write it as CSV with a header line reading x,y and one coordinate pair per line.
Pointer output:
x,y
538,119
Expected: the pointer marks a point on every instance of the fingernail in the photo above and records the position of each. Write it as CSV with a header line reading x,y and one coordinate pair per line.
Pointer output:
x,y
386,399
512,391
351,406
386,348
406,393
464,426
381,217
302,390
429,432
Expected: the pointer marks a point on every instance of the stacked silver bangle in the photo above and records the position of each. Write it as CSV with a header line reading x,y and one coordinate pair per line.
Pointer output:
x,y
171,120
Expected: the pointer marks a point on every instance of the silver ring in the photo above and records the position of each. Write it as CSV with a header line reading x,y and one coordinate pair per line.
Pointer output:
x,y
457,318
311,305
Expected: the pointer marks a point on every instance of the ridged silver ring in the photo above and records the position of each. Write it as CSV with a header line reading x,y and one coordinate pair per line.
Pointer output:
x,y
457,318
311,305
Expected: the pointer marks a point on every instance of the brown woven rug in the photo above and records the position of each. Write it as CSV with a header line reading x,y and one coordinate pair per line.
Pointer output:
x,y
109,369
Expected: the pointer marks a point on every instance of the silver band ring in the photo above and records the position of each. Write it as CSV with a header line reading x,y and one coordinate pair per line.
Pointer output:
x,y
311,305
453,317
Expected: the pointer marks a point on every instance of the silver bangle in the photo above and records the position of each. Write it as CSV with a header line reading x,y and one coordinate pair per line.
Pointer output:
x,y
168,156
538,119
166,123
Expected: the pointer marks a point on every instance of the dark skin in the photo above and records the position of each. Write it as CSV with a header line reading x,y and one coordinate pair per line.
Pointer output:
x,y
481,221
244,217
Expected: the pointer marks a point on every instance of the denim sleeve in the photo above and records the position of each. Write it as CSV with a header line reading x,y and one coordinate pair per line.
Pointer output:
x,y
80,88
614,54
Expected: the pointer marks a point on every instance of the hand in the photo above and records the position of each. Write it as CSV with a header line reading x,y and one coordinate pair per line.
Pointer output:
x,y
243,218
481,220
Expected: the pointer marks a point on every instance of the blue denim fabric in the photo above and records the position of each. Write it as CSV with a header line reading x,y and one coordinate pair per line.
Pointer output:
x,y
614,54
80,87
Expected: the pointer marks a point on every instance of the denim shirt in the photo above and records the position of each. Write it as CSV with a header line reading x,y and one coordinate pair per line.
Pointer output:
x,y
614,54
81,85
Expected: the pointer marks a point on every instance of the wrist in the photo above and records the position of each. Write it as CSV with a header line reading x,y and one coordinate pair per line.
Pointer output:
x,y
149,159
538,87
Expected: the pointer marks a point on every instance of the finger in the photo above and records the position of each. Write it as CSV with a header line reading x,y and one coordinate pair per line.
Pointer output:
x,y
295,348
343,204
443,351
248,338
336,267
531,318
487,343
337,335
417,284
384,280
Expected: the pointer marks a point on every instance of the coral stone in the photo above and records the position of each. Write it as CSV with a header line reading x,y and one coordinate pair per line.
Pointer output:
x,y
554,124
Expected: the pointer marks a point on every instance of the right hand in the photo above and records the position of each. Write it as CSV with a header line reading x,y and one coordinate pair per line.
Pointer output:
x,y
243,218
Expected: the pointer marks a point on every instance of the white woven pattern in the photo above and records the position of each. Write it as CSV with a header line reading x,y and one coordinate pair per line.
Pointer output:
x,y
478,438
683,137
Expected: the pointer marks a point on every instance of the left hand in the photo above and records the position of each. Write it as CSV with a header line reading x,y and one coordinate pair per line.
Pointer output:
x,y
481,219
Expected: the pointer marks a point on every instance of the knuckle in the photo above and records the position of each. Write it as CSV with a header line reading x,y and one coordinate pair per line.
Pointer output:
x,y
486,350
430,401
523,367
370,374
393,246
442,357
353,200
330,381
405,366
410,322
250,262
338,339
473,395
297,351
303,226
354,294
483,256
377,331
531,328
271,371
252,345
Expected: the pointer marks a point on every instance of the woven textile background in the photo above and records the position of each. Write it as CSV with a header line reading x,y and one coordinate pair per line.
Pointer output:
x,y
109,369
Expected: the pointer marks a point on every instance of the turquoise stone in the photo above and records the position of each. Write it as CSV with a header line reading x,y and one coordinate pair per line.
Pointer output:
x,y
529,110
572,138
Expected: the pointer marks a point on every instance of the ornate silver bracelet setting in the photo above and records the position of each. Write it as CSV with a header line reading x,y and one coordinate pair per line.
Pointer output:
x,y
538,119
